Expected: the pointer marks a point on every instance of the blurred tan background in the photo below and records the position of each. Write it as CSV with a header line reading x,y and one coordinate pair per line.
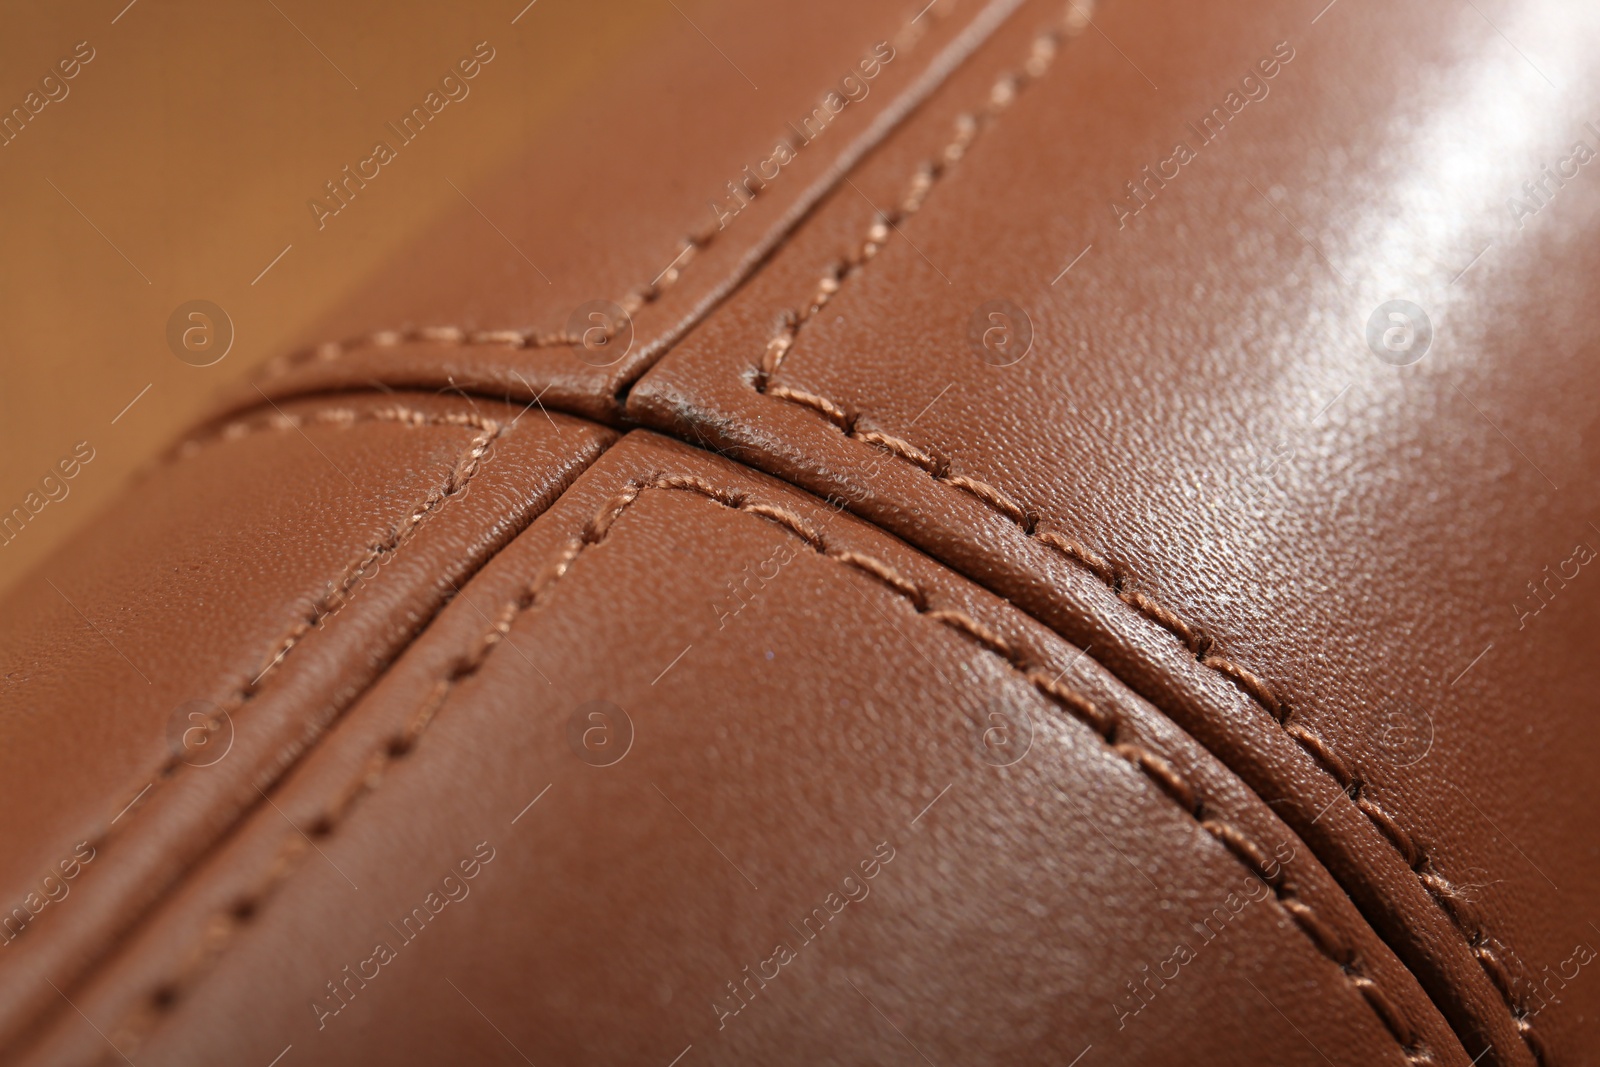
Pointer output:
x,y
178,167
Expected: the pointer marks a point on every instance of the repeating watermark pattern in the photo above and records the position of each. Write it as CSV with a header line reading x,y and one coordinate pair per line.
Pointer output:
x,y
199,733
599,733
453,87
1005,732
601,332
452,889
1143,190
52,88
1143,989
1404,733
755,582
853,87
53,889
1537,193
1544,990
1263,472
199,332
1399,332
1000,333
743,991
1542,593
752,580
54,487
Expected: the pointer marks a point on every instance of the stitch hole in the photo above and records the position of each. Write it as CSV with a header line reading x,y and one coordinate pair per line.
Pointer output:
x,y
398,747
163,997
322,827
243,910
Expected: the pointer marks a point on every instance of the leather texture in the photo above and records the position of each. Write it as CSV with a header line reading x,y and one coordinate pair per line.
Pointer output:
x,y
993,597
821,743
284,560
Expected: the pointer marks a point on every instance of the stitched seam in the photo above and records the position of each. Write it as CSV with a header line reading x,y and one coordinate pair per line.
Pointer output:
x,y
1199,644
224,924
339,593
967,127
635,300
342,418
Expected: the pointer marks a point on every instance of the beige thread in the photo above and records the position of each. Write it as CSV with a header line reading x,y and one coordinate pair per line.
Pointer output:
x,y
636,299
967,127
223,925
465,467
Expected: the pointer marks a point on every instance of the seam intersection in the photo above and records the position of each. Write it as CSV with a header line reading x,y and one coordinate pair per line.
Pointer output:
x,y
338,592
222,926
968,127
632,302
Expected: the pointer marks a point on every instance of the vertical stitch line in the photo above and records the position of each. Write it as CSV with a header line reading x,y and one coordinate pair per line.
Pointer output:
x,y
337,596
636,299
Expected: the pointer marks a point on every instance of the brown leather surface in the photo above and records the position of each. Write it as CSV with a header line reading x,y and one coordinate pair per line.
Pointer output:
x,y
1337,571
659,248
1127,455
283,560
770,752
191,144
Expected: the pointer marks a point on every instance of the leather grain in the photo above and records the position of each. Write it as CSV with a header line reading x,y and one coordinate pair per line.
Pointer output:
x,y
1047,405
649,248
283,561
1201,433
838,718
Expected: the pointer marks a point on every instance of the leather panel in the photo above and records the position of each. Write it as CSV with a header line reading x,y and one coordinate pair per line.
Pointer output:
x,y
838,724
677,190
202,667
1203,468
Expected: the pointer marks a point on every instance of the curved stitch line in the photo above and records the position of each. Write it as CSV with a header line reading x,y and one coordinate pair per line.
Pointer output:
x,y
340,592
1199,644
968,126
223,925
635,300
342,418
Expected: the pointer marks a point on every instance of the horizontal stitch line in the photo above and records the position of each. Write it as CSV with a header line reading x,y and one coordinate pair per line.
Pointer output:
x,y
342,418
635,300
223,925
